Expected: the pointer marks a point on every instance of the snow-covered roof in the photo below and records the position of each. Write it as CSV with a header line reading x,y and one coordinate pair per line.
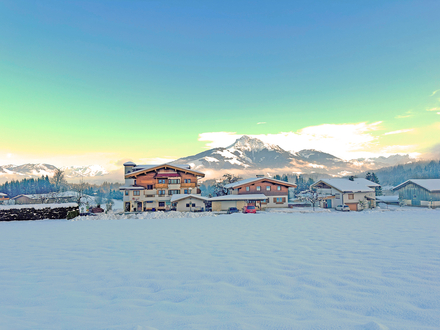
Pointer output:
x,y
139,168
239,197
346,185
178,197
433,185
2,194
132,187
246,181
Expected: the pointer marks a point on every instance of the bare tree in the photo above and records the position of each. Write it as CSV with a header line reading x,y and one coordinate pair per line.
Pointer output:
x,y
310,197
58,179
219,186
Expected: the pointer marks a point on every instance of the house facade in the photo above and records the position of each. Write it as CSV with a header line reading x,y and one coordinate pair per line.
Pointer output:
x,y
151,187
276,191
3,197
420,192
223,203
358,193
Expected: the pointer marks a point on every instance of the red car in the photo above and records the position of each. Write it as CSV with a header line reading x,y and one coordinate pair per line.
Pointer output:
x,y
249,209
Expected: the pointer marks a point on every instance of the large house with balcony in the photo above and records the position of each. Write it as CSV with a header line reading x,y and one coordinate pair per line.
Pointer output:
x,y
252,191
151,187
357,194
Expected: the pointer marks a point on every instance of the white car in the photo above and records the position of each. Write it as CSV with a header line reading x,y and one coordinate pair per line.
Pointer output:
x,y
342,208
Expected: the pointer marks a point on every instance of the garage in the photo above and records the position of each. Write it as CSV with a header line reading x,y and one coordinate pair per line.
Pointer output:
x,y
353,206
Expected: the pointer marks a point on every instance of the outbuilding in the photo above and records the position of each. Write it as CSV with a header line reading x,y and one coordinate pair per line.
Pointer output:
x,y
223,203
420,192
188,202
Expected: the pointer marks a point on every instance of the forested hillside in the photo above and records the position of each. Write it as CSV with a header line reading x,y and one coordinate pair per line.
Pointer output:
x,y
392,176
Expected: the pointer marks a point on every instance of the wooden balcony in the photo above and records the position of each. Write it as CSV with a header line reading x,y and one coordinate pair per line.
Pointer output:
x,y
188,185
161,185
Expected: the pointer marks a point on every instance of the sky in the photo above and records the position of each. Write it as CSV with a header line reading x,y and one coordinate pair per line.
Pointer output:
x,y
100,82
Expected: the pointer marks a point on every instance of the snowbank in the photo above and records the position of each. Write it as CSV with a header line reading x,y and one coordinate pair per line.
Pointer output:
x,y
37,206
145,215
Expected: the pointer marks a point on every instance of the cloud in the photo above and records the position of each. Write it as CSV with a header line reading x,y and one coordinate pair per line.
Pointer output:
x,y
156,160
261,123
400,131
343,140
433,109
435,92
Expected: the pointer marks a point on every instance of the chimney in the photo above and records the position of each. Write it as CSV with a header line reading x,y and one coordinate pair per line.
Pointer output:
x,y
260,176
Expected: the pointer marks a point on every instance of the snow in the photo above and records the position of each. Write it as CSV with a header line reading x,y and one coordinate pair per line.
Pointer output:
x,y
429,184
211,159
177,197
354,270
37,206
245,181
346,185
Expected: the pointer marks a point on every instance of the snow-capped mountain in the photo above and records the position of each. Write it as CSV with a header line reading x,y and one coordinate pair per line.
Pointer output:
x,y
84,171
252,155
37,170
244,153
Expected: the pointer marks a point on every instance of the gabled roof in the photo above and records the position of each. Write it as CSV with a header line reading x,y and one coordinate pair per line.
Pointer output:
x,y
178,197
253,197
132,187
346,185
150,168
255,180
432,185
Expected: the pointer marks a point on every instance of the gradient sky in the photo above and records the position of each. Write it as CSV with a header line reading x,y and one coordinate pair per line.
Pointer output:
x,y
96,82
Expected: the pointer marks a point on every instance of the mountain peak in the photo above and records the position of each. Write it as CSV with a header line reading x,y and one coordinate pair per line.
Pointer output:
x,y
248,143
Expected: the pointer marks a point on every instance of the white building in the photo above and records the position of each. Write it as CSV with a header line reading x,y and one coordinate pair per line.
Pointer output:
x,y
358,193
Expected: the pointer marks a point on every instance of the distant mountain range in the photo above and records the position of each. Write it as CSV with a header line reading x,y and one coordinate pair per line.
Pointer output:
x,y
249,155
245,157
37,170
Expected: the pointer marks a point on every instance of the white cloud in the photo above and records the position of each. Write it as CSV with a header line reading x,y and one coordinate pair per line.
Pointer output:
x,y
261,123
156,160
435,92
400,131
343,140
433,109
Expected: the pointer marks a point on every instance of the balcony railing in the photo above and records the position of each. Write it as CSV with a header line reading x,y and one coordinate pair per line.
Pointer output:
x,y
188,185
161,185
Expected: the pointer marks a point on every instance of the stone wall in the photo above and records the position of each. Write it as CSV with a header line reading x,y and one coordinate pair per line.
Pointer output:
x,y
35,214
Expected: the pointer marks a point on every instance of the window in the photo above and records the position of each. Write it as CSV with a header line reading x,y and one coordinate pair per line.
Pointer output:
x,y
149,186
187,181
161,204
126,193
190,205
350,196
174,181
187,191
161,192
161,181
258,188
268,188
247,188
278,187
136,193
134,181
173,192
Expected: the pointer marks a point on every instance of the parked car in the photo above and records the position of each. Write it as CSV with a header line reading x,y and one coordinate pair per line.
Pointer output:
x,y
233,210
249,209
342,208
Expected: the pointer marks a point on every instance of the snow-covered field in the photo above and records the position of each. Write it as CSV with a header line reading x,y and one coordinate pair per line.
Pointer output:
x,y
367,270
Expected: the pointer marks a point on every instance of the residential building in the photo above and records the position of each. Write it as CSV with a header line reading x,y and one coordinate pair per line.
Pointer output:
x,y
420,192
358,193
276,191
151,187
3,197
